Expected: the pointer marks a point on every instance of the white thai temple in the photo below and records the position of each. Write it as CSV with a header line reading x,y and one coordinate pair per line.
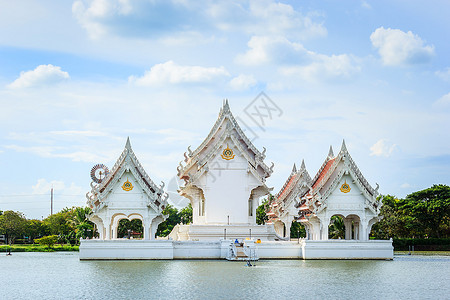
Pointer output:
x,y
125,192
339,189
224,181
283,208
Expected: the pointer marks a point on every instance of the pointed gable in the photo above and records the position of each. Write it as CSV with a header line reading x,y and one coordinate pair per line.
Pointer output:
x,y
332,170
128,162
225,127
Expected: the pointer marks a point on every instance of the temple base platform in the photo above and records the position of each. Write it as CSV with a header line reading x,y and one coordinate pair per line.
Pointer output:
x,y
122,249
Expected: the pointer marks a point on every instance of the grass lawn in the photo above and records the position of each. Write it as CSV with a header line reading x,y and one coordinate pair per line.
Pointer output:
x,y
38,248
441,253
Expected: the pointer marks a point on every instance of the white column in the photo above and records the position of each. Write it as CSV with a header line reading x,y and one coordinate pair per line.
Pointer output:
x,y
356,228
288,229
147,223
324,228
348,229
108,228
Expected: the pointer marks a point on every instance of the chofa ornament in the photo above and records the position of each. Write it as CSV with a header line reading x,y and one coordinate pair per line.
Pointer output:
x,y
99,172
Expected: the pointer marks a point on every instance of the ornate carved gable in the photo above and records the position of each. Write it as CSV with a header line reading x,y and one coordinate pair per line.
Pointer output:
x,y
329,177
127,162
225,129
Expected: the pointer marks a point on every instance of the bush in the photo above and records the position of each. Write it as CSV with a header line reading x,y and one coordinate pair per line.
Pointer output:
x,y
422,244
48,241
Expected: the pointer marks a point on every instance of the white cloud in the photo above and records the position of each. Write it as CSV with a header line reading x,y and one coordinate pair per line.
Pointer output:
x,y
43,75
366,5
170,72
43,187
243,82
324,67
442,102
405,186
267,49
293,60
382,148
444,75
400,48
152,18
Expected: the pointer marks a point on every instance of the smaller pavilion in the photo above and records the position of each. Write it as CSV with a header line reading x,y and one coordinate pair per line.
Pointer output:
x,y
127,192
339,188
282,209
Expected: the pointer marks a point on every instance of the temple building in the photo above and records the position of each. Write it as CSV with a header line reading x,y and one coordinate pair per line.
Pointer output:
x,y
125,192
338,189
283,207
224,178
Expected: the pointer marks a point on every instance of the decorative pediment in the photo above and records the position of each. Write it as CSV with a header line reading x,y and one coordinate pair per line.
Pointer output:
x,y
128,162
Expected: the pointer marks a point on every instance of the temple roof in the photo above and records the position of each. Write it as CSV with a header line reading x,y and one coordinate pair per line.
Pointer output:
x,y
128,161
330,167
225,127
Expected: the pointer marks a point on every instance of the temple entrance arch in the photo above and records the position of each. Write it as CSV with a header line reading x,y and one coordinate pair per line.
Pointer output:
x,y
126,221
336,229
352,227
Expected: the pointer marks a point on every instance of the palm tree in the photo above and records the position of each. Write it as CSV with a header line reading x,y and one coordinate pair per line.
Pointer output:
x,y
336,229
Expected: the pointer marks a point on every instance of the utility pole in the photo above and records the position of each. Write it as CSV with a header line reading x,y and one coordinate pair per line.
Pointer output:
x,y
51,202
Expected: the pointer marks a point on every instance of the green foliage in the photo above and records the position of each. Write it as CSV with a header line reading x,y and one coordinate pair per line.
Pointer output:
x,y
38,248
134,225
431,244
336,229
261,217
12,224
184,216
297,230
35,229
48,241
422,214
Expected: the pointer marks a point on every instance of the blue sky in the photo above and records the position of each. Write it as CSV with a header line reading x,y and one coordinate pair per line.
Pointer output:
x,y
78,77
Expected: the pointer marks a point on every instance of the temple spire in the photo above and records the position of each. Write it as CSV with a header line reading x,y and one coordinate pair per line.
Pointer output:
x,y
294,169
226,107
303,167
128,144
343,147
330,153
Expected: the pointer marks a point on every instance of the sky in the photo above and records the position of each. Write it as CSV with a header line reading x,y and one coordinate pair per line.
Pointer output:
x,y
78,77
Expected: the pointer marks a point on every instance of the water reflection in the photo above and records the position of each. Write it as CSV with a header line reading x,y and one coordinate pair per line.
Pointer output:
x,y
62,275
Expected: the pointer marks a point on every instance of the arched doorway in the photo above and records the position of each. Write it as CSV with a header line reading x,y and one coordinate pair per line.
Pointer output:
x,y
297,230
336,229
352,224
130,228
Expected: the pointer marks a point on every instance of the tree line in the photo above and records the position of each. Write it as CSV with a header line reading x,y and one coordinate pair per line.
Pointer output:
x,y
422,214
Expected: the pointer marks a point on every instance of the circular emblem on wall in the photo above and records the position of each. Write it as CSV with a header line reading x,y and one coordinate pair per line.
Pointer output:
x,y
227,153
345,188
127,186
99,172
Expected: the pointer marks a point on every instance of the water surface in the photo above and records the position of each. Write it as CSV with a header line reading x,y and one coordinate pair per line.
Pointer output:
x,y
61,275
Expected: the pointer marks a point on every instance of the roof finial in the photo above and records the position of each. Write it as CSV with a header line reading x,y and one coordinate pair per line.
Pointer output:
x,y
128,144
303,167
343,147
294,169
330,153
226,107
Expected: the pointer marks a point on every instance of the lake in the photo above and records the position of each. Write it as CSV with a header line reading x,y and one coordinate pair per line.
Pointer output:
x,y
62,276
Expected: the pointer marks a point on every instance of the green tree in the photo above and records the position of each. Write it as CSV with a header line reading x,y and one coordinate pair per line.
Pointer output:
x,y
429,209
35,229
297,230
186,214
84,227
134,225
12,224
336,229
261,217
165,228
48,241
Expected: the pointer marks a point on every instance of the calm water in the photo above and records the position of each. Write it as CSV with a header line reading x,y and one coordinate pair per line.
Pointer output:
x,y
63,276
